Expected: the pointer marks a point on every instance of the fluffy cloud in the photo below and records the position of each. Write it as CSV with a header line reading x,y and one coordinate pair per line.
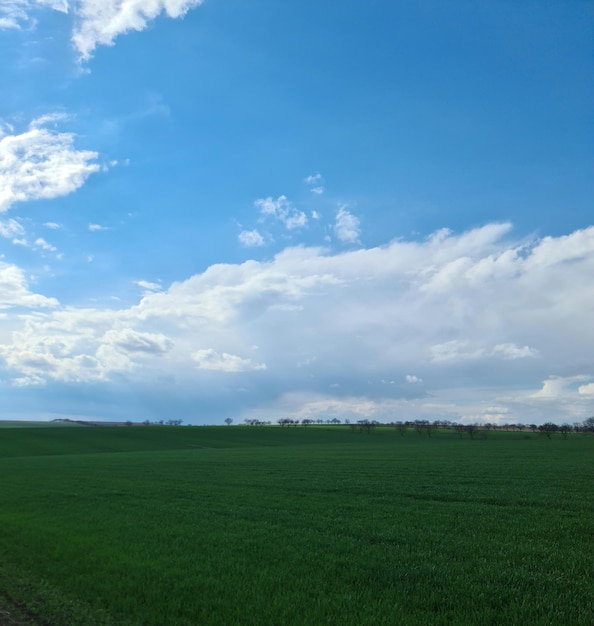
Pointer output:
x,y
250,238
96,22
99,22
14,290
41,163
481,319
282,210
346,227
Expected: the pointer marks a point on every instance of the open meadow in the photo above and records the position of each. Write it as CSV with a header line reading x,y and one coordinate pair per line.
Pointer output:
x,y
240,525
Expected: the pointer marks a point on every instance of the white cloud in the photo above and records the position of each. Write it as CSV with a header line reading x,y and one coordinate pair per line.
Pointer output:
x,y
314,181
97,227
14,14
150,287
586,390
96,22
483,318
100,22
52,225
129,340
11,228
346,227
510,351
14,290
559,386
283,210
41,163
250,238
44,245
209,359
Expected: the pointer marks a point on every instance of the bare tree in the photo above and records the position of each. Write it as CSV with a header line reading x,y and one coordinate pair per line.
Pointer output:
x,y
228,421
548,429
565,429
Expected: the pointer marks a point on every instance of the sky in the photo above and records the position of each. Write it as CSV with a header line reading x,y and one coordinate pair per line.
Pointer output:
x,y
260,210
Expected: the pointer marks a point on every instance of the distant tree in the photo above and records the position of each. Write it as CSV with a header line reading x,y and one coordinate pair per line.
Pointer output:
x,y
228,421
459,428
588,424
146,423
548,429
471,429
128,423
366,425
565,429
533,427
401,428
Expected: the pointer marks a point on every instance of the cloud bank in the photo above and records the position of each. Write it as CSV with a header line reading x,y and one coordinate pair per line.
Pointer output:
x,y
471,314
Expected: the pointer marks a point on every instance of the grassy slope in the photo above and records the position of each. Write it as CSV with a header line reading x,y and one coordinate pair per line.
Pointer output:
x,y
302,526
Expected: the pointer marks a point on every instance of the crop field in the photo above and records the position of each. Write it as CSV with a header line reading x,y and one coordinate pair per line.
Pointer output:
x,y
234,525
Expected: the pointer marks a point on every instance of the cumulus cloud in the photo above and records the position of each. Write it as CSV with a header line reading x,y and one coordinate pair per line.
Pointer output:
x,y
209,359
283,210
347,226
41,163
494,328
250,238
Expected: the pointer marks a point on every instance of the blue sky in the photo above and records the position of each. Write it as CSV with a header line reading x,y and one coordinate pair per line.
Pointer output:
x,y
377,210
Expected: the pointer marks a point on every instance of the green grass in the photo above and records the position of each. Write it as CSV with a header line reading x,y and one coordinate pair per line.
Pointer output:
x,y
238,525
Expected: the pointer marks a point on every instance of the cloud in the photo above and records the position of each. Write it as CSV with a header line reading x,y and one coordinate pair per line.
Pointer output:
x,y
150,287
97,227
40,164
586,390
40,242
209,359
52,225
558,386
11,228
100,22
346,227
283,210
14,14
314,182
494,328
250,238
96,22
129,340
14,290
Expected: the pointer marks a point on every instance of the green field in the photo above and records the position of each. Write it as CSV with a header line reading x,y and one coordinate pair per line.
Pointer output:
x,y
322,525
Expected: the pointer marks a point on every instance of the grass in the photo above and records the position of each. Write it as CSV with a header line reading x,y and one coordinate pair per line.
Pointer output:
x,y
238,525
